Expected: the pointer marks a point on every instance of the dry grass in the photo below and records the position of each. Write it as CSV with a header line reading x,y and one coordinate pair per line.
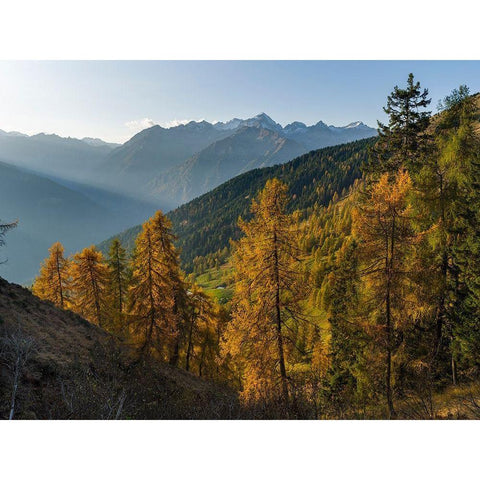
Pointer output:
x,y
459,403
62,337
80,371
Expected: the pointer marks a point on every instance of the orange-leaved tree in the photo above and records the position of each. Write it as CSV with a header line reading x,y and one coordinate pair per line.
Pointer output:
x,y
53,283
90,277
382,222
203,327
269,289
154,289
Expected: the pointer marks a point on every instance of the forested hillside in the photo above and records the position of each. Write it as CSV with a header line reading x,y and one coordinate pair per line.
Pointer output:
x,y
207,223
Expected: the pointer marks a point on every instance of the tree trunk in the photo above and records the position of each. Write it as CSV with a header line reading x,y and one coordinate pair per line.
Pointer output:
x,y
202,356
441,310
388,376
119,281
278,321
149,329
388,324
454,370
176,348
16,377
59,276
189,346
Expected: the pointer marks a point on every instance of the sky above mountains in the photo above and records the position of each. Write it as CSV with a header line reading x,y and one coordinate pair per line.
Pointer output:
x,y
114,100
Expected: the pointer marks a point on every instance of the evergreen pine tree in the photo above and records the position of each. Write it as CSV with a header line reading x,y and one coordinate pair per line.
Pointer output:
x,y
119,277
403,141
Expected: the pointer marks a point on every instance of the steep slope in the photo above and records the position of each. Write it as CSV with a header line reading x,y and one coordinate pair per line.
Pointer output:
x,y
246,149
206,224
76,370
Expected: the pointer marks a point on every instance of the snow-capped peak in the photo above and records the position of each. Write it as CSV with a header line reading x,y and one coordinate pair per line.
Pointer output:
x,y
294,127
262,120
230,125
355,125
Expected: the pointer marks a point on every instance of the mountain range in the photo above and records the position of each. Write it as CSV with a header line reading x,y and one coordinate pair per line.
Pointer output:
x,y
170,166
177,164
80,191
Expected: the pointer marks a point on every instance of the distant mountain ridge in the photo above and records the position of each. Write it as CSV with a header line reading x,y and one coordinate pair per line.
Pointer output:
x,y
187,153
262,120
247,148
52,154
157,149
174,165
48,211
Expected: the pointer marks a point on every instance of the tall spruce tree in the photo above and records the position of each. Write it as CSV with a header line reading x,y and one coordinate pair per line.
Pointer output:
x,y
341,300
403,141
119,277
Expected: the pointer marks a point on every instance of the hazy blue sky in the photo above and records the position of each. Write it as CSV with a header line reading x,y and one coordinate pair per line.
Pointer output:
x,y
114,100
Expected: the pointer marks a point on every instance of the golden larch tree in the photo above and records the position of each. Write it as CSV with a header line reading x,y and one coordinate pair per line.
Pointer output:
x,y
268,292
382,222
153,291
52,283
90,276
203,327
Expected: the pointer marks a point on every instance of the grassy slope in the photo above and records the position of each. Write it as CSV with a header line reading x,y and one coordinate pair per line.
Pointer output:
x,y
217,283
94,369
